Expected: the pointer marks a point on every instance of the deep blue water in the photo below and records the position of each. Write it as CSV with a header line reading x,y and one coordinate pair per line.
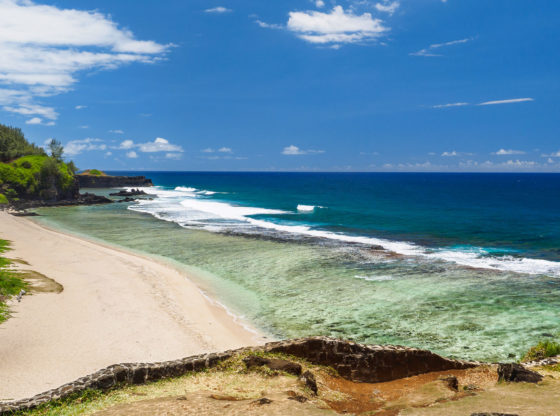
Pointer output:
x,y
513,215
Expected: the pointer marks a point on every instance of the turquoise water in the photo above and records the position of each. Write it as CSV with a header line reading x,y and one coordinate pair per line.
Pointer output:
x,y
465,265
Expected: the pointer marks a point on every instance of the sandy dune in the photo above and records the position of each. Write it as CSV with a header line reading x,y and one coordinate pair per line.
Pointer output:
x,y
115,307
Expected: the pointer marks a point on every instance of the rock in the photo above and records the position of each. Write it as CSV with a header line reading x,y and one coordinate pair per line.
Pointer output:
x,y
310,381
274,364
132,192
292,395
92,181
451,382
262,401
517,373
471,387
493,414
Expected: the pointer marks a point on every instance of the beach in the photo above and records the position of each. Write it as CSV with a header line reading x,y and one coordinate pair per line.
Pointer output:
x,y
116,307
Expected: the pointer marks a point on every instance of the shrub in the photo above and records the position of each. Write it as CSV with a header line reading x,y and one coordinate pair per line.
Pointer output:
x,y
3,199
542,350
25,164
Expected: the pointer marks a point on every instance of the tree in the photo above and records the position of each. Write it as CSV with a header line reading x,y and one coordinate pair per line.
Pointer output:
x,y
57,150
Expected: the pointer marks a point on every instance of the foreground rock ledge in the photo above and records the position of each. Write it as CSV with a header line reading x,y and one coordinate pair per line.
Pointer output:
x,y
355,362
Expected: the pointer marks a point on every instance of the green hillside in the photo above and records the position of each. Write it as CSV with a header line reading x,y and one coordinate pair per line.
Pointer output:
x,y
27,173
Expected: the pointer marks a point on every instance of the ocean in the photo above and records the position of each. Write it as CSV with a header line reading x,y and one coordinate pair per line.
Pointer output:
x,y
466,265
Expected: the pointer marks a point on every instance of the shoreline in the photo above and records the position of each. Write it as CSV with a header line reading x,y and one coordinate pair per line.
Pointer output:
x,y
117,306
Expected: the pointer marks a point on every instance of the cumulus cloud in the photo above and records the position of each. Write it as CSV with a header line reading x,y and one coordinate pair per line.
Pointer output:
x,y
75,147
554,154
44,47
430,50
80,107
132,154
338,26
116,131
450,154
296,151
387,6
158,145
509,101
220,150
174,156
34,120
506,152
319,3
219,9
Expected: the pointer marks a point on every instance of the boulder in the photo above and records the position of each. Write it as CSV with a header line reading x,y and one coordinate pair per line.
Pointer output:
x,y
274,364
517,373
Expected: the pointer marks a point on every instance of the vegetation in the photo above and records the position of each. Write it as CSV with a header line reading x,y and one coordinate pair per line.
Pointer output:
x,y
13,144
28,173
93,172
10,282
542,350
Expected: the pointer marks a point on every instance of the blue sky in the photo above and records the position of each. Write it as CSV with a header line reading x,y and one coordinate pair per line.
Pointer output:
x,y
357,85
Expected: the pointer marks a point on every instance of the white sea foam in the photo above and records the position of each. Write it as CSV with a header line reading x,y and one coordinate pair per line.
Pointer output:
x,y
374,278
306,208
189,207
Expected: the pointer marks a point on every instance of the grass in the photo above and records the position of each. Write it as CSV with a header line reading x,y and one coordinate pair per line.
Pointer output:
x,y
10,282
93,172
542,350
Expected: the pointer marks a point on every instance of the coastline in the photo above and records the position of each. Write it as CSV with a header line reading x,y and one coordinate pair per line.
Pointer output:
x,y
117,306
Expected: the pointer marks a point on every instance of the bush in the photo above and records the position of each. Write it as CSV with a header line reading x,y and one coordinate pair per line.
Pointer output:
x,y
3,199
25,164
542,350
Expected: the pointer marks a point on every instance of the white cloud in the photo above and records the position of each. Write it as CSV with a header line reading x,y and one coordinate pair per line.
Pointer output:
x,y
75,147
44,47
132,154
34,120
554,154
506,152
268,25
127,144
429,51
319,3
80,107
450,154
388,6
510,101
220,150
338,26
159,145
174,156
225,150
296,151
450,105
219,9
116,131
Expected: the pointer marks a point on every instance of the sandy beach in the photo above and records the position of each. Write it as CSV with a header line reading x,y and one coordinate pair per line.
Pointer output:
x,y
115,307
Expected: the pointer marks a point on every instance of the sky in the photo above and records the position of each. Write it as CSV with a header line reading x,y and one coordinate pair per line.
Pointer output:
x,y
293,85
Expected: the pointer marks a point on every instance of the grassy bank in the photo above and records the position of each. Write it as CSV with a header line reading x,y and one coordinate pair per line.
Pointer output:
x,y
10,282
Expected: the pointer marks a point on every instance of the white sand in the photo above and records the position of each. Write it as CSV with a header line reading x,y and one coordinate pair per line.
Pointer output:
x,y
116,307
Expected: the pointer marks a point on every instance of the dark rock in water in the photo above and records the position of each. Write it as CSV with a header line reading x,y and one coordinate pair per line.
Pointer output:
x,y
274,364
451,382
81,199
24,213
127,199
546,334
132,192
493,414
517,373
310,381
92,181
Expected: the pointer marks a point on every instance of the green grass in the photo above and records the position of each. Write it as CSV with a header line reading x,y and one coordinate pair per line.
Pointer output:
x,y
10,282
93,172
542,350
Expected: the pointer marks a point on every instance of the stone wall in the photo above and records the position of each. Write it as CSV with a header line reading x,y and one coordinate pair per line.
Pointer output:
x,y
356,362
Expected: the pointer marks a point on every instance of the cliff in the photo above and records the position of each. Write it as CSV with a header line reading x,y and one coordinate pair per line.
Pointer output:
x,y
99,181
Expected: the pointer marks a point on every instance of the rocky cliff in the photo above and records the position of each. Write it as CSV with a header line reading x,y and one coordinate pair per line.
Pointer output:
x,y
93,181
